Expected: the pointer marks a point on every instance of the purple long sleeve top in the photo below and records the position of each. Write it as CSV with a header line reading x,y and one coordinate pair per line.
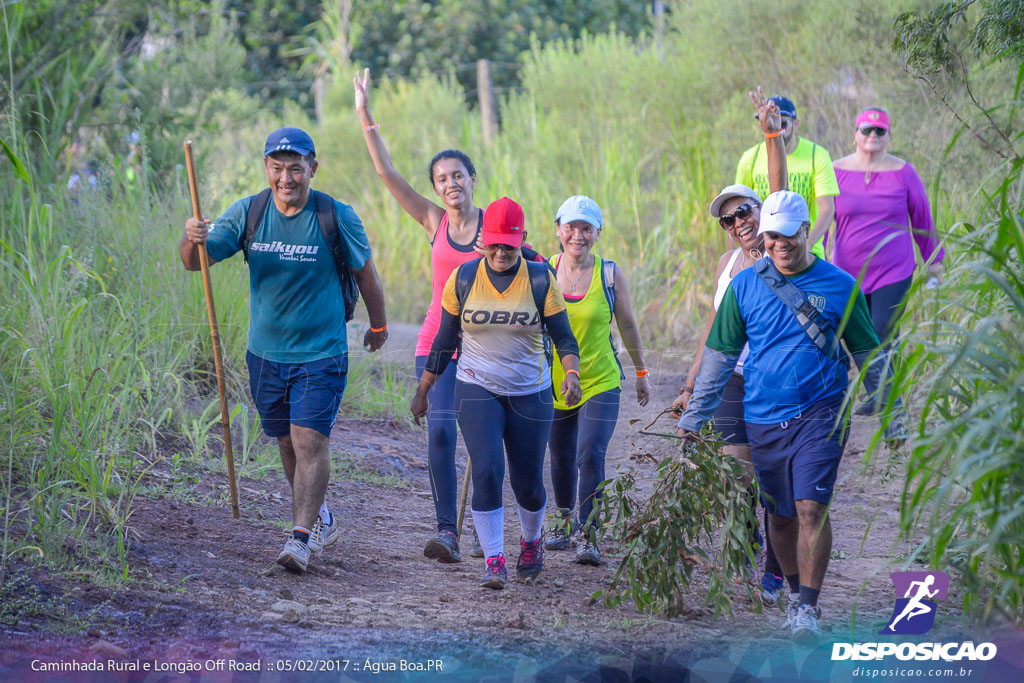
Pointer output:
x,y
872,225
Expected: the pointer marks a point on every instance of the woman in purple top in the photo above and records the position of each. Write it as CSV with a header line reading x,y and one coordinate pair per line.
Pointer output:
x,y
881,212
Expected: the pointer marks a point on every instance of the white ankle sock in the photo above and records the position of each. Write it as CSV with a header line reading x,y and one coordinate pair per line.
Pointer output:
x,y
532,523
490,527
325,514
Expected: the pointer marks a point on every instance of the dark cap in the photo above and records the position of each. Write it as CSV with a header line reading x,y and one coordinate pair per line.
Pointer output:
x,y
289,140
785,105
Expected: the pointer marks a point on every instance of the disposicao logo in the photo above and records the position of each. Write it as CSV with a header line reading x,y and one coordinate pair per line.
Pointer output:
x,y
914,613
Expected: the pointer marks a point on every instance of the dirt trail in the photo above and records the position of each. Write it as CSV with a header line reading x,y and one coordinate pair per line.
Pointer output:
x,y
207,585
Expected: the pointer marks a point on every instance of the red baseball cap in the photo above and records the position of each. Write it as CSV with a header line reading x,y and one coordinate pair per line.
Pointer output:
x,y
503,223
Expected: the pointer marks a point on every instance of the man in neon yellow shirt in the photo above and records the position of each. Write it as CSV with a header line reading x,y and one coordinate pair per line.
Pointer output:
x,y
810,173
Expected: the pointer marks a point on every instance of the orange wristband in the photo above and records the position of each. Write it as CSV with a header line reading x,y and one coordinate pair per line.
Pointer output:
x,y
378,329
574,372
372,126
767,135
642,373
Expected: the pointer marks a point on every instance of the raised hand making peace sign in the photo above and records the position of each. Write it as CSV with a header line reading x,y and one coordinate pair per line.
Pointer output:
x,y
767,112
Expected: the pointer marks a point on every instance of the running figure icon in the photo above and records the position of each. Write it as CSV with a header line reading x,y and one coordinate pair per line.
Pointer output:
x,y
915,607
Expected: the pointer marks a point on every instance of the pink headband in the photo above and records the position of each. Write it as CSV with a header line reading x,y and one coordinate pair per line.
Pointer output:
x,y
873,117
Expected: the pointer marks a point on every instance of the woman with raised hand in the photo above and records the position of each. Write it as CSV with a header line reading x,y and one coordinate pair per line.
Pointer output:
x,y
595,292
738,210
500,304
453,228
881,212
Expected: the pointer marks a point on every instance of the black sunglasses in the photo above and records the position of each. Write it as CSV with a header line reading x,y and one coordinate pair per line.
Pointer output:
x,y
742,211
866,131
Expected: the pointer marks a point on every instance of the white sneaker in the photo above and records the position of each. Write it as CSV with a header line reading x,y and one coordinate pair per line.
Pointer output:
x,y
792,607
805,624
295,555
323,535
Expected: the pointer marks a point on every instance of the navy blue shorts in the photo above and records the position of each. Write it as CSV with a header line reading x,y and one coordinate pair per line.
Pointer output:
x,y
798,459
304,394
728,416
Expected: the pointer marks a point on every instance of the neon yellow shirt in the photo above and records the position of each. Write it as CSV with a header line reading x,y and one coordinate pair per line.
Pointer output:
x,y
810,175
591,321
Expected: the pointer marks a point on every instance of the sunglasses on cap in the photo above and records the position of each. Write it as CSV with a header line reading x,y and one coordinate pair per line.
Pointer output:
x,y
729,219
866,131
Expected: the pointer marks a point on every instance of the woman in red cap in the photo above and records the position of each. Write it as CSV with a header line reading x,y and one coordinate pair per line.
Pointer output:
x,y
453,229
882,211
501,303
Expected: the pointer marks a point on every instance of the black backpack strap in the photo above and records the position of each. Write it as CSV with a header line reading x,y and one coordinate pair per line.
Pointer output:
x,y
813,323
539,282
253,216
608,283
327,217
464,278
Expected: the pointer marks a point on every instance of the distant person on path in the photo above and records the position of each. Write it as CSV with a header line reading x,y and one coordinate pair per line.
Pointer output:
x,y
595,291
453,230
881,213
810,172
298,243
793,403
503,396
738,210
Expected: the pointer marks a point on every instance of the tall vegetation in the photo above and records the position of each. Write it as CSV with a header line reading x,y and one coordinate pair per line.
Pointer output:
x,y
963,359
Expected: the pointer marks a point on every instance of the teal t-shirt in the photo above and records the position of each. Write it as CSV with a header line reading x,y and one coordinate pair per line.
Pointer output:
x,y
296,310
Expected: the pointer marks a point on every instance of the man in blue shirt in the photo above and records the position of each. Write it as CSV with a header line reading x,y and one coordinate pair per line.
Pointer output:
x,y
794,393
297,348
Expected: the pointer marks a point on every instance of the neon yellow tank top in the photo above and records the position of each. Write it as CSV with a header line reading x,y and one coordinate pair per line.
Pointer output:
x,y
591,321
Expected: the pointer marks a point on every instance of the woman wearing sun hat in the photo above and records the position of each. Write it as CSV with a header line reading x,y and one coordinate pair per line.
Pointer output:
x,y
882,211
595,291
738,210
501,303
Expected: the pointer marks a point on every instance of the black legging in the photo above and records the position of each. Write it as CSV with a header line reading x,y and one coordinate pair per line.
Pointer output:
x,y
579,441
886,305
493,425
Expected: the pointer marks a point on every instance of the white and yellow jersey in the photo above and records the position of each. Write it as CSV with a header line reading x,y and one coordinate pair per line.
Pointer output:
x,y
502,346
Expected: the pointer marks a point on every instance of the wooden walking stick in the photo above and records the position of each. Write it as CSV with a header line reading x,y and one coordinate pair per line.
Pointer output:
x,y
465,494
204,262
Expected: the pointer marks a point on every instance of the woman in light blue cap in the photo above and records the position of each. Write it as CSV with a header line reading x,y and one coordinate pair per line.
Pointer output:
x,y
595,291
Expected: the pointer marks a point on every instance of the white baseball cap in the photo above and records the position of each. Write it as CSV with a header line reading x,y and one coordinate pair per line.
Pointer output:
x,y
579,208
783,212
730,192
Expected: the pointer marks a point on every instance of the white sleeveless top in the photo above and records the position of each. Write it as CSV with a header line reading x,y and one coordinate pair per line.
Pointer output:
x,y
723,284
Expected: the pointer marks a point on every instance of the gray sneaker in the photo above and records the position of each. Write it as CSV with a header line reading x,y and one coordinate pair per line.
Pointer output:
x,y
323,535
791,608
444,547
559,533
587,552
295,555
477,550
805,624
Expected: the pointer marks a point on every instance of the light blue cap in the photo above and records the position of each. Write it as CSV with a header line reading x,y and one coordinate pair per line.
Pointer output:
x,y
783,212
579,208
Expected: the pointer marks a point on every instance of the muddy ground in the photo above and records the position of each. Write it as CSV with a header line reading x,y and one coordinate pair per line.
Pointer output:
x,y
206,587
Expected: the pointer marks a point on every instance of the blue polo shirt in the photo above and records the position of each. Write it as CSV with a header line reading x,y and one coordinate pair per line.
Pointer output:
x,y
296,309
785,373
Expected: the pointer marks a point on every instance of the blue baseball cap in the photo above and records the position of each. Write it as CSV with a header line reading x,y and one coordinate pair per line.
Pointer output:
x,y
785,105
579,208
289,140
783,212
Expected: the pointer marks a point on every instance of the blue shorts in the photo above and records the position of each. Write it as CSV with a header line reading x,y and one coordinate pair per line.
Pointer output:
x,y
799,459
728,415
304,394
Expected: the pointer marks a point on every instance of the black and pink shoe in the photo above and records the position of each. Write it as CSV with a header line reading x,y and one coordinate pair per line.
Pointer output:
x,y
496,574
531,560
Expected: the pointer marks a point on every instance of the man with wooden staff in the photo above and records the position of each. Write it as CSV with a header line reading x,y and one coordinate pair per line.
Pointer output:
x,y
300,245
